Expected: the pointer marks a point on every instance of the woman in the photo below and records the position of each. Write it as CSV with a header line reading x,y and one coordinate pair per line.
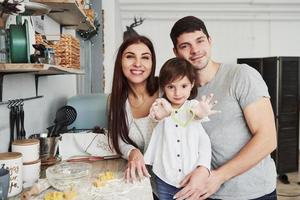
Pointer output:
x,y
134,89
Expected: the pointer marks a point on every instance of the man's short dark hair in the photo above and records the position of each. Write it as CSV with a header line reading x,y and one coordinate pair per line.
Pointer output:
x,y
187,24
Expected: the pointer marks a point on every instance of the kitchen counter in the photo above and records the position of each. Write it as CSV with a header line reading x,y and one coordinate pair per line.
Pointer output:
x,y
116,191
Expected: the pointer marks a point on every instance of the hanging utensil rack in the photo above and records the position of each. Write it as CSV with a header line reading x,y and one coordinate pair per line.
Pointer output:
x,y
21,99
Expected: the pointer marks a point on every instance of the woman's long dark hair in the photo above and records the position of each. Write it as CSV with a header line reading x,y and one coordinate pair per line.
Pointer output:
x,y
117,117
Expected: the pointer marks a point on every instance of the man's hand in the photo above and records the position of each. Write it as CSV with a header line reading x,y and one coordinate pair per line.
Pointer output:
x,y
205,107
136,166
198,187
213,184
194,185
160,109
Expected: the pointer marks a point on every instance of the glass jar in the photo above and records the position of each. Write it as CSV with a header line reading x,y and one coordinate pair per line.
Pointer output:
x,y
3,46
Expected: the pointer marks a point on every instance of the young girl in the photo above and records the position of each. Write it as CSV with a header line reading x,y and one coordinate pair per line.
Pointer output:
x,y
179,144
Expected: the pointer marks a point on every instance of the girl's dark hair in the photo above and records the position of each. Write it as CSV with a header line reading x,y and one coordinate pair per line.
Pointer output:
x,y
187,24
117,117
176,68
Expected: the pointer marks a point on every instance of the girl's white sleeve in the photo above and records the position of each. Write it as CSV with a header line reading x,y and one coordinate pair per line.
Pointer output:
x,y
204,158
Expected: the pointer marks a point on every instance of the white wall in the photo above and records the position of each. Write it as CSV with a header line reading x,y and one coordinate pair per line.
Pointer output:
x,y
239,28
39,113
112,38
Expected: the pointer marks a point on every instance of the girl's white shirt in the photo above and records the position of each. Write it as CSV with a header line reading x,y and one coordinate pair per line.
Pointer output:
x,y
176,150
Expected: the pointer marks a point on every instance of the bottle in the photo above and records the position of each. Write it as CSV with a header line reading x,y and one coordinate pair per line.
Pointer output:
x,y
3,43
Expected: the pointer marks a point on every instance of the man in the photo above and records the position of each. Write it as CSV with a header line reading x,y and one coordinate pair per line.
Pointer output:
x,y
243,135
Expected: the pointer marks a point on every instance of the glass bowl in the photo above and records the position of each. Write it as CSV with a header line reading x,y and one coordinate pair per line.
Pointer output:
x,y
67,175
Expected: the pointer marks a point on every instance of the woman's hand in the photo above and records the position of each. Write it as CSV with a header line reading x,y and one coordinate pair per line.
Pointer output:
x,y
136,167
205,107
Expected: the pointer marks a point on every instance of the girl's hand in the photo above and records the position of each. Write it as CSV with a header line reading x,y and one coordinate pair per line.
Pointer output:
x,y
160,109
204,107
136,168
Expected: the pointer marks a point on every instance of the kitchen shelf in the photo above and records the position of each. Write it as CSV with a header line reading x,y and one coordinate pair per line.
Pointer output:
x,y
68,13
36,69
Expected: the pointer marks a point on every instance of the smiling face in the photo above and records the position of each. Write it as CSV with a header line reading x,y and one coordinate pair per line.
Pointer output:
x,y
194,47
137,63
178,91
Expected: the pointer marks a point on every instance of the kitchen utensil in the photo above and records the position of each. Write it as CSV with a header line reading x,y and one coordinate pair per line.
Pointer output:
x,y
19,41
17,109
12,120
48,147
91,158
22,131
65,116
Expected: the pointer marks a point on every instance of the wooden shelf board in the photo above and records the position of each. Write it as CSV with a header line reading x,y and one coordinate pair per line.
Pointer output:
x,y
20,67
68,13
42,69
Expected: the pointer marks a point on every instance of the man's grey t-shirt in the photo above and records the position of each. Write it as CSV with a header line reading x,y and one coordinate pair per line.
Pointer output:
x,y
235,87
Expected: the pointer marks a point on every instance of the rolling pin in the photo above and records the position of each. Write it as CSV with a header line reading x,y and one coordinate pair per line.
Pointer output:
x,y
36,189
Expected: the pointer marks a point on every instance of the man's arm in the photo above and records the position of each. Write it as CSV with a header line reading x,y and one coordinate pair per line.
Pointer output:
x,y
260,120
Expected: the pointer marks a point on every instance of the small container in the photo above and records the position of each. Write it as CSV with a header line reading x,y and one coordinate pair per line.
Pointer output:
x,y
48,145
29,148
68,175
12,161
50,56
31,173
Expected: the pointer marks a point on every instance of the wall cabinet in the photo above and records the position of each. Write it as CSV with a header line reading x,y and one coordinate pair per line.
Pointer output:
x,y
281,75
